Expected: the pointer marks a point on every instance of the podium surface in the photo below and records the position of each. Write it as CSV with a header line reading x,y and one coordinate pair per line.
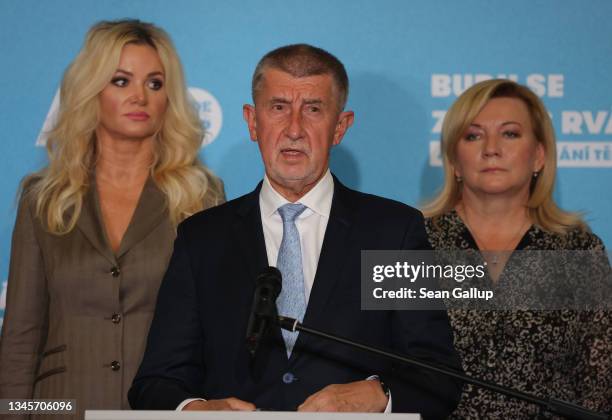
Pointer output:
x,y
238,415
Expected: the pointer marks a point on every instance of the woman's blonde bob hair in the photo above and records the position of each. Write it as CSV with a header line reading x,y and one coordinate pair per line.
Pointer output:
x,y
542,208
59,188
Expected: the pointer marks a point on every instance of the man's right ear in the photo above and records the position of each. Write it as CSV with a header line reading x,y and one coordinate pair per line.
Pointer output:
x,y
248,113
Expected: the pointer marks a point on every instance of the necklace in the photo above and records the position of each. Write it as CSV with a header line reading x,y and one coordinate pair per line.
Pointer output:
x,y
507,246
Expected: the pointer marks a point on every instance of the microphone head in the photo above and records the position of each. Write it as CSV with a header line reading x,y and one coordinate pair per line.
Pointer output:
x,y
269,282
267,288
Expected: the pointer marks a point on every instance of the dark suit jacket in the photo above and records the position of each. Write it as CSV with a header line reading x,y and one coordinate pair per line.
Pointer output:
x,y
196,345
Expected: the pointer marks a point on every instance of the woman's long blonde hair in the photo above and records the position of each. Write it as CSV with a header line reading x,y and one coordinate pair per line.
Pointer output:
x,y
542,208
59,188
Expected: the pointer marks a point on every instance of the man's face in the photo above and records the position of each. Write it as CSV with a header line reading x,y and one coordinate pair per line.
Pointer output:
x,y
296,121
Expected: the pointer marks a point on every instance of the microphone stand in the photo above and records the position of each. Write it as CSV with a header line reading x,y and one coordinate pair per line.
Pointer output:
x,y
551,405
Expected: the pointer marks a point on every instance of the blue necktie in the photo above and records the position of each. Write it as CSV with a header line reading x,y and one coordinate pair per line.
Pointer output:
x,y
291,302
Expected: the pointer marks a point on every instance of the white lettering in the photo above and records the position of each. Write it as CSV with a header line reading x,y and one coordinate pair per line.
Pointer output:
x,y
435,155
433,294
377,275
594,154
438,115
440,86
594,126
555,85
459,85
591,122
571,122
536,82
445,85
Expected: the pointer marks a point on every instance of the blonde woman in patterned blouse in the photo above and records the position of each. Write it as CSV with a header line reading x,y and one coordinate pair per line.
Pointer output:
x,y
499,155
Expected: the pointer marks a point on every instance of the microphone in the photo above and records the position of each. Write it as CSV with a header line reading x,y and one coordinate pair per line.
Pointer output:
x,y
267,288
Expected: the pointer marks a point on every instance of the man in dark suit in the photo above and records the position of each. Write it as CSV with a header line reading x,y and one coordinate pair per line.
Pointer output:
x,y
303,220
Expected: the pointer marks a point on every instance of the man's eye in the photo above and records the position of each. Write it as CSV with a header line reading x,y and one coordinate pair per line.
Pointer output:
x,y
278,107
155,84
314,109
119,81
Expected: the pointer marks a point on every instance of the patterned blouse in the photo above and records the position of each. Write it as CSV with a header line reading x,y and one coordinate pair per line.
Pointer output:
x,y
563,354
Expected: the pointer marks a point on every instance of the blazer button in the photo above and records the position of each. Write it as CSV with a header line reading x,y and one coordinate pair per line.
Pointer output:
x,y
115,365
116,318
115,271
289,377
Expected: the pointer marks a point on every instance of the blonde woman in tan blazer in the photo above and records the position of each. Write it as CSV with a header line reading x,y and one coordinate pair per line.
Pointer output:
x,y
94,229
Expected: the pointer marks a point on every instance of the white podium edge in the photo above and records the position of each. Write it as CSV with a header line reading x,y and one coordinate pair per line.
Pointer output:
x,y
238,415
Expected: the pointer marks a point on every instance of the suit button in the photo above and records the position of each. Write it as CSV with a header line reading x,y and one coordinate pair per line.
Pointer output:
x,y
115,365
115,271
288,378
116,318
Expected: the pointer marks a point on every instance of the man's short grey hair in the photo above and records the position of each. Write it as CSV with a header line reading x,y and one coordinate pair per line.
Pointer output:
x,y
303,60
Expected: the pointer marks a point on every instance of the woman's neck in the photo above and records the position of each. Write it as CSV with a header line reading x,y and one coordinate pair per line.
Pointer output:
x,y
496,223
123,163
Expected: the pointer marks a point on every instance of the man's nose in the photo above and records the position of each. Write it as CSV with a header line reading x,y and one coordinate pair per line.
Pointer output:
x,y
295,128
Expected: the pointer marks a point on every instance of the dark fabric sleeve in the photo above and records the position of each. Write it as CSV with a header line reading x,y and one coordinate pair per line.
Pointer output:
x,y
171,370
425,335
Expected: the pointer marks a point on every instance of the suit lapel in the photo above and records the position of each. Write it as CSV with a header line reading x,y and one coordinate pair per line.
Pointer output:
x,y
332,259
90,223
248,232
150,212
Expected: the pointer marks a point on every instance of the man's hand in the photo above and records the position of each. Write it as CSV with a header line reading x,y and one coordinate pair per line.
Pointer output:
x,y
360,396
226,404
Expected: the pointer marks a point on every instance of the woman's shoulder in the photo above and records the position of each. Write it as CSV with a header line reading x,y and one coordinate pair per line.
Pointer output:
x,y
575,238
26,201
446,231
28,189
215,193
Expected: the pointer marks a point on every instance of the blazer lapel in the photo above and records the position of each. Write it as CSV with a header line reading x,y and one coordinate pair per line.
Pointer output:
x,y
90,223
332,259
248,232
150,212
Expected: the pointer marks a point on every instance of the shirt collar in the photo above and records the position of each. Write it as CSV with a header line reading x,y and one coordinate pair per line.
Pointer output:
x,y
319,199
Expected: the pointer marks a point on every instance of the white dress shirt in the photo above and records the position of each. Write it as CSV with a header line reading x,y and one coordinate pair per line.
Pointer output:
x,y
311,224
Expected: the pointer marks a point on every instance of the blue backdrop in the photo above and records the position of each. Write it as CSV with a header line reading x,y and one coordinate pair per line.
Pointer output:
x,y
407,61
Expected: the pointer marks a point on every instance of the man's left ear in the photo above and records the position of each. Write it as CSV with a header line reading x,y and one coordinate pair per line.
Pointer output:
x,y
345,120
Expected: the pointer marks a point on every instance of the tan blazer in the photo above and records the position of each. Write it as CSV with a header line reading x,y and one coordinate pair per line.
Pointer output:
x,y
77,315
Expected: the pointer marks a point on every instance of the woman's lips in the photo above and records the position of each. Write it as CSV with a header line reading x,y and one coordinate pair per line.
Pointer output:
x,y
137,116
